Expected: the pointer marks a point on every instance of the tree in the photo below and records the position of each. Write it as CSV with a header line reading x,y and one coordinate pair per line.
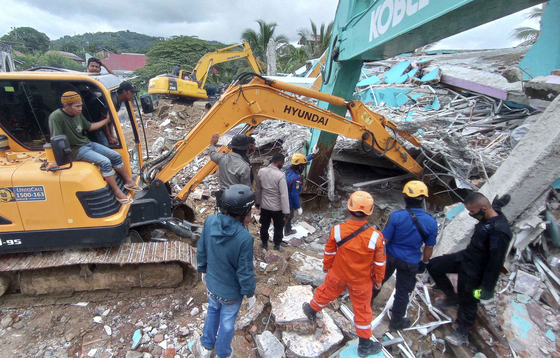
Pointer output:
x,y
48,59
291,58
184,51
530,34
29,39
259,40
316,42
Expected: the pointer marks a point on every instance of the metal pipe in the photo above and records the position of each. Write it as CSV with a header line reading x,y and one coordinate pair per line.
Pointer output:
x,y
405,351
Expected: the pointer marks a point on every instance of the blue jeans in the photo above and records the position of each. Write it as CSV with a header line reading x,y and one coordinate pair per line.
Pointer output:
x,y
221,314
101,156
101,137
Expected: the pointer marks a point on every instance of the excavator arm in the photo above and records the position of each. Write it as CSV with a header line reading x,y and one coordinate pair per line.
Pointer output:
x,y
263,99
224,55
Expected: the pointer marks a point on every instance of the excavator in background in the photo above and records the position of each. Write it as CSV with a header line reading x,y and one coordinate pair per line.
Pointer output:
x,y
189,86
64,231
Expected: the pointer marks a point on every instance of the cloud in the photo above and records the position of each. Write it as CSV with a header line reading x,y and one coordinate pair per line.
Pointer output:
x,y
219,20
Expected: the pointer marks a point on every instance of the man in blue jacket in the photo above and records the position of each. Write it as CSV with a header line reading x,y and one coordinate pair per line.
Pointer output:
x,y
295,185
406,231
225,255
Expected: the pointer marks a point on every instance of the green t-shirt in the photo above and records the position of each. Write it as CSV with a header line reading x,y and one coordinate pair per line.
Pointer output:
x,y
75,128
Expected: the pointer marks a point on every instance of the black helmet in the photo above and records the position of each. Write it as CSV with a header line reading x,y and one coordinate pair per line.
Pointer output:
x,y
238,199
239,141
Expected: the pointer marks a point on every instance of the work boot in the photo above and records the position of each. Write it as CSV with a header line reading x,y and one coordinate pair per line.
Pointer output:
x,y
367,347
459,337
447,303
231,355
289,232
278,248
309,312
399,323
264,245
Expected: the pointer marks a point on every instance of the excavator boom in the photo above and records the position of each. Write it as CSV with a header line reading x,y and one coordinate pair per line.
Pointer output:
x,y
263,99
223,55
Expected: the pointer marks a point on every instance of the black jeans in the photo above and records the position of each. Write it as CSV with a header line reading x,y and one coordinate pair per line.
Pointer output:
x,y
406,279
289,221
278,218
438,269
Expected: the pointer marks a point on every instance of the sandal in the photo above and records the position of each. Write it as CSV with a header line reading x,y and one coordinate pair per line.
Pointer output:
x,y
133,188
125,201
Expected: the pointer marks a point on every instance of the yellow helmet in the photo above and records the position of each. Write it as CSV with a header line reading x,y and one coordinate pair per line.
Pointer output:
x,y
361,201
415,188
298,159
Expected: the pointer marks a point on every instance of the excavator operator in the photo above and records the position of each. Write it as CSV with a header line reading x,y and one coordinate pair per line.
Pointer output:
x,y
354,259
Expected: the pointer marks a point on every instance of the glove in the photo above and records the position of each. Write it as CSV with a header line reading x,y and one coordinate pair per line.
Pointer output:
x,y
204,277
315,150
422,266
483,295
251,302
299,211
286,217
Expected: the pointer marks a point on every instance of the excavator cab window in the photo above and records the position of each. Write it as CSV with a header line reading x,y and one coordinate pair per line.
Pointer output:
x,y
25,107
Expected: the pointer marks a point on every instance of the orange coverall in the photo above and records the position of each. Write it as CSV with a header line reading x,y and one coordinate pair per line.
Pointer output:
x,y
357,264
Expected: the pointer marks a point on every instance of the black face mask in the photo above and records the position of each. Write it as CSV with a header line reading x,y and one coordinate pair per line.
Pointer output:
x,y
478,216
280,166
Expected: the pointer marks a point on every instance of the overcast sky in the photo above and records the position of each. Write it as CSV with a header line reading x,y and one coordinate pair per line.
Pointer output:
x,y
220,20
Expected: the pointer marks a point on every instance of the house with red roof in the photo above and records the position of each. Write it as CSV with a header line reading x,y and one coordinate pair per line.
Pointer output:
x,y
122,64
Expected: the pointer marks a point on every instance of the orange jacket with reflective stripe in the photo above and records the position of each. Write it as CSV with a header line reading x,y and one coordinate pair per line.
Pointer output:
x,y
359,259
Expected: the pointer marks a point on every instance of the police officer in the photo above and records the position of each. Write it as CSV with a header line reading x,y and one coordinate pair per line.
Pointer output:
x,y
406,231
295,185
478,266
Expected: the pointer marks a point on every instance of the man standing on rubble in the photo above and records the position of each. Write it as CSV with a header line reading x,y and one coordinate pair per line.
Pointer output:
x,y
295,185
406,231
478,266
234,169
225,256
272,199
354,259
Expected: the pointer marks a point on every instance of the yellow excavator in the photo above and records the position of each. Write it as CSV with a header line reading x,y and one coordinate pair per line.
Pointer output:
x,y
189,86
64,231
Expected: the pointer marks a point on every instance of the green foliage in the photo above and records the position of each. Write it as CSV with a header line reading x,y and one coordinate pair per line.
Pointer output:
x,y
49,59
259,40
523,33
121,41
28,40
316,41
291,58
184,51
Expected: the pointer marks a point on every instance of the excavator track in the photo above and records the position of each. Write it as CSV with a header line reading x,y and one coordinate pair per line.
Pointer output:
x,y
146,265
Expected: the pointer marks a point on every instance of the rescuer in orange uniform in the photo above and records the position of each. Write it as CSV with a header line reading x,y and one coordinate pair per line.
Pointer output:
x,y
354,258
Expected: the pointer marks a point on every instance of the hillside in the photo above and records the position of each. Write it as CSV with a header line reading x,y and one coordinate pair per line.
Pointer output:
x,y
121,41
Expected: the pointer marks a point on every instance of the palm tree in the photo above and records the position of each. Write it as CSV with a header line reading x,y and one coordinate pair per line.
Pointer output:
x,y
291,58
529,34
259,40
316,42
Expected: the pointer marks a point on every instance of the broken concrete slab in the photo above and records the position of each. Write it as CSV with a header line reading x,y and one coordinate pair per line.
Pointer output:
x,y
343,323
250,316
269,346
307,269
315,344
527,173
526,283
286,305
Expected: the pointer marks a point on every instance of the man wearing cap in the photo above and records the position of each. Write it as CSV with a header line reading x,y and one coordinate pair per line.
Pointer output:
x,y
406,231
234,169
272,198
125,93
355,259
295,186
69,121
